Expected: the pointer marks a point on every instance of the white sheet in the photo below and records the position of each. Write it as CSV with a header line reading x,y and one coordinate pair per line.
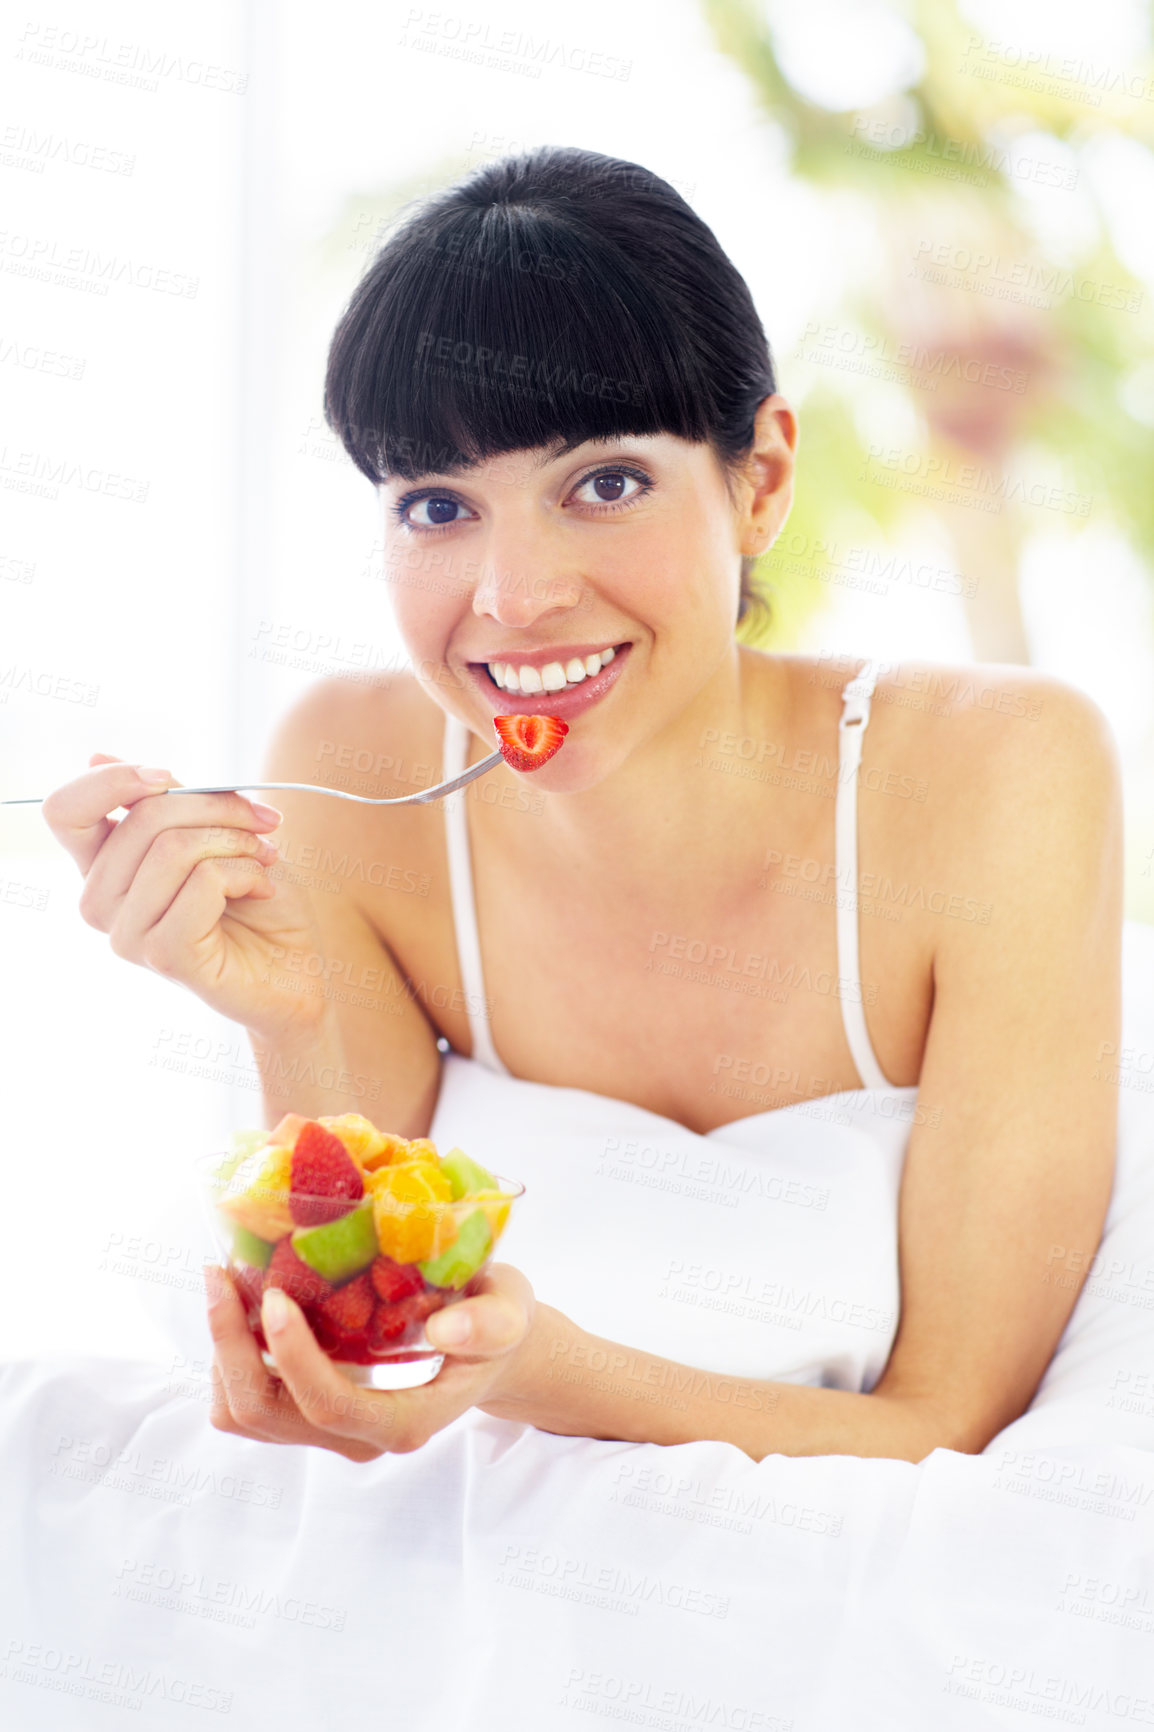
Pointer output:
x,y
504,1577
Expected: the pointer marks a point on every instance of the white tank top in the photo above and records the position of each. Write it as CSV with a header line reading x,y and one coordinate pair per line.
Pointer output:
x,y
855,716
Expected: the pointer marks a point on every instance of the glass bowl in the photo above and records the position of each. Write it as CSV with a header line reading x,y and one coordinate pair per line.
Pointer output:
x,y
366,1271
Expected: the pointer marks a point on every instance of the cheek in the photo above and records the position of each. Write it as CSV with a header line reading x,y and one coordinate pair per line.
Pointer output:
x,y
425,616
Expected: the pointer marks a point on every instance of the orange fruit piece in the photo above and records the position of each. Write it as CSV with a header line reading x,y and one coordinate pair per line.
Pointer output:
x,y
421,1149
412,1211
361,1139
387,1149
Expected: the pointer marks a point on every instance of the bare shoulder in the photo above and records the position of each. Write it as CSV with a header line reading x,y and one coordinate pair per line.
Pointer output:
x,y
342,731
1009,777
968,722
1000,738
376,738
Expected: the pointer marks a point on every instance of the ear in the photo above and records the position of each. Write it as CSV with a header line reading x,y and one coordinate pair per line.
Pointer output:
x,y
769,471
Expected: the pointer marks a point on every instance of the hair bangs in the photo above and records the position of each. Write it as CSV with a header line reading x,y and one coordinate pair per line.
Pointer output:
x,y
504,331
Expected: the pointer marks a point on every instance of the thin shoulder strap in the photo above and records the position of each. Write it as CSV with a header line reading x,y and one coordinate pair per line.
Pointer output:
x,y
462,899
851,729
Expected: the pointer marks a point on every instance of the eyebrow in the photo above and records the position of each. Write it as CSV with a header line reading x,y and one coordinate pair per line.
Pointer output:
x,y
561,448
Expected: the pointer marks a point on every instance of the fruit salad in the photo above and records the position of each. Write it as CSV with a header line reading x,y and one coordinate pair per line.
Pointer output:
x,y
369,1232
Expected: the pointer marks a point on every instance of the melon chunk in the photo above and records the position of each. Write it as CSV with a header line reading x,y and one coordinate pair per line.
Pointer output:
x,y
339,1249
464,1256
258,1193
466,1176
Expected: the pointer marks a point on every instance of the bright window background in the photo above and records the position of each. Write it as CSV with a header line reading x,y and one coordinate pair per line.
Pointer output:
x,y
189,195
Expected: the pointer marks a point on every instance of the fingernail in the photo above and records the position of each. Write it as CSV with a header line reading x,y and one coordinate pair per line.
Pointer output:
x,y
274,1309
267,814
449,1329
154,775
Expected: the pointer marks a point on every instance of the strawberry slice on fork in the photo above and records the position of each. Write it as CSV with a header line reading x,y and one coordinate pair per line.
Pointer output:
x,y
527,742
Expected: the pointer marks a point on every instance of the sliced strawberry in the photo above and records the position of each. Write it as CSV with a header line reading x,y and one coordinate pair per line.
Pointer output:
x,y
527,742
394,1281
347,1311
286,1269
326,1173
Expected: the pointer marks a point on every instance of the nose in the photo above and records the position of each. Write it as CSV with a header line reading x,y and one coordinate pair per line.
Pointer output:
x,y
518,596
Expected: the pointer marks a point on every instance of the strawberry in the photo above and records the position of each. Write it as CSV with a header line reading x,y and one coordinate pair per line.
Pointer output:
x,y
527,742
326,1173
388,1324
286,1269
347,1311
394,1281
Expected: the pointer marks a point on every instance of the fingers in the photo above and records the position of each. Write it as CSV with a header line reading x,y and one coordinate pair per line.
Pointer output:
x,y
77,812
335,1408
222,820
244,1396
489,1324
127,911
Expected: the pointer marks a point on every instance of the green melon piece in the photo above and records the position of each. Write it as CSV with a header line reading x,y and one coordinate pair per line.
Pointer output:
x,y
250,1248
466,1176
338,1249
465,1255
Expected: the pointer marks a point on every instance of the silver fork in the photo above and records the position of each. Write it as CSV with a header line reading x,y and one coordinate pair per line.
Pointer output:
x,y
437,793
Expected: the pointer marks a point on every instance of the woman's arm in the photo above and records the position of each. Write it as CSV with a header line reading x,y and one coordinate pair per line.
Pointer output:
x,y
372,1050
1006,1184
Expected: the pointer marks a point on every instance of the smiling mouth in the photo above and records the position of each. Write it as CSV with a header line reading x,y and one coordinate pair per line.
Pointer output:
x,y
554,688
557,676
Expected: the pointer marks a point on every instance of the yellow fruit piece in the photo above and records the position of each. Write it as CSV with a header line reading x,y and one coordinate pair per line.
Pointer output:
x,y
361,1139
496,1205
262,1204
387,1149
412,1211
421,1149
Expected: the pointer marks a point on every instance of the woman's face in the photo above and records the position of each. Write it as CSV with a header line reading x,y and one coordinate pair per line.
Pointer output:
x,y
528,568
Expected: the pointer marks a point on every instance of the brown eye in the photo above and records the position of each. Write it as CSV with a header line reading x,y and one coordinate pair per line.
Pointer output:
x,y
609,487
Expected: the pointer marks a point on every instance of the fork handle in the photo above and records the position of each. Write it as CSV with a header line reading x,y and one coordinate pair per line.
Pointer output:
x,y
439,792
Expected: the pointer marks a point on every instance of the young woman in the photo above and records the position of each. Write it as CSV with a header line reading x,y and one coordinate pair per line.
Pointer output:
x,y
561,389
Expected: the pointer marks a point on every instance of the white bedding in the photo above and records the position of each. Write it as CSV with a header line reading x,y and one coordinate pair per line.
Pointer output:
x,y
505,1577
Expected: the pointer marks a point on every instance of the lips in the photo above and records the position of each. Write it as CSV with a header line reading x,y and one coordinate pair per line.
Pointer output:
x,y
567,704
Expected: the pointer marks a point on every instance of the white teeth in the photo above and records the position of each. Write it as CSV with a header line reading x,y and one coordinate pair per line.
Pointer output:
x,y
553,677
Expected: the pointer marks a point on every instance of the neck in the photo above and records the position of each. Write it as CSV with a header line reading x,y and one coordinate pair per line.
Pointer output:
x,y
678,808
